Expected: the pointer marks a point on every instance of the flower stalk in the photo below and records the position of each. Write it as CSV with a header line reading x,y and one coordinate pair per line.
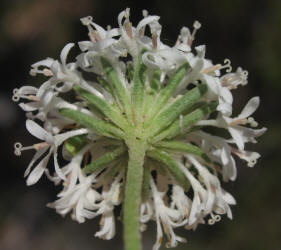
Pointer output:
x,y
133,193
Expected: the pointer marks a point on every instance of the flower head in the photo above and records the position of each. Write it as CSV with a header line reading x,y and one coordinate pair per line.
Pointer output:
x,y
134,135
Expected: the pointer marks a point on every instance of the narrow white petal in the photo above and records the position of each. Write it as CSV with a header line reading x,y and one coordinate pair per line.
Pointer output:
x,y
27,90
102,32
146,21
30,106
57,167
46,62
228,197
60,138
38,171
37,131
85,45
250,107
64,52
37,155
237,137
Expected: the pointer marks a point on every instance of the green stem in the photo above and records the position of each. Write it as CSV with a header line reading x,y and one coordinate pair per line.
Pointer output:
x,y
133,194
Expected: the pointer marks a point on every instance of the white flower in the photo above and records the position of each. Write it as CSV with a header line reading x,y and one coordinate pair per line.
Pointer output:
x,y
180,201
81,198
111,198
240,134
218,199
219,151
233,80
168,217
250,157
50,143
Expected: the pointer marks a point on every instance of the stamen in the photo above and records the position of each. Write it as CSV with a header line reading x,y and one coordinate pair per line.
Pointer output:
x,y
196,26
251,161
19,148
94,36
211,69
128,28
128,24
16,96
154,40
239,122
33,98
41,145
45,72
250,120
108,27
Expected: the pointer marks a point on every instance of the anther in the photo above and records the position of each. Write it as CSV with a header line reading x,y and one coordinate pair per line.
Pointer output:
x,y
15,96
252,122
145,13
217,218
245,73
86,20
252,163
227,65
196,25
211,221
18,147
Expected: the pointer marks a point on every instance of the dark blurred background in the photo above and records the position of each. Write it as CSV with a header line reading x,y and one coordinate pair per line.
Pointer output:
x,y
248,32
